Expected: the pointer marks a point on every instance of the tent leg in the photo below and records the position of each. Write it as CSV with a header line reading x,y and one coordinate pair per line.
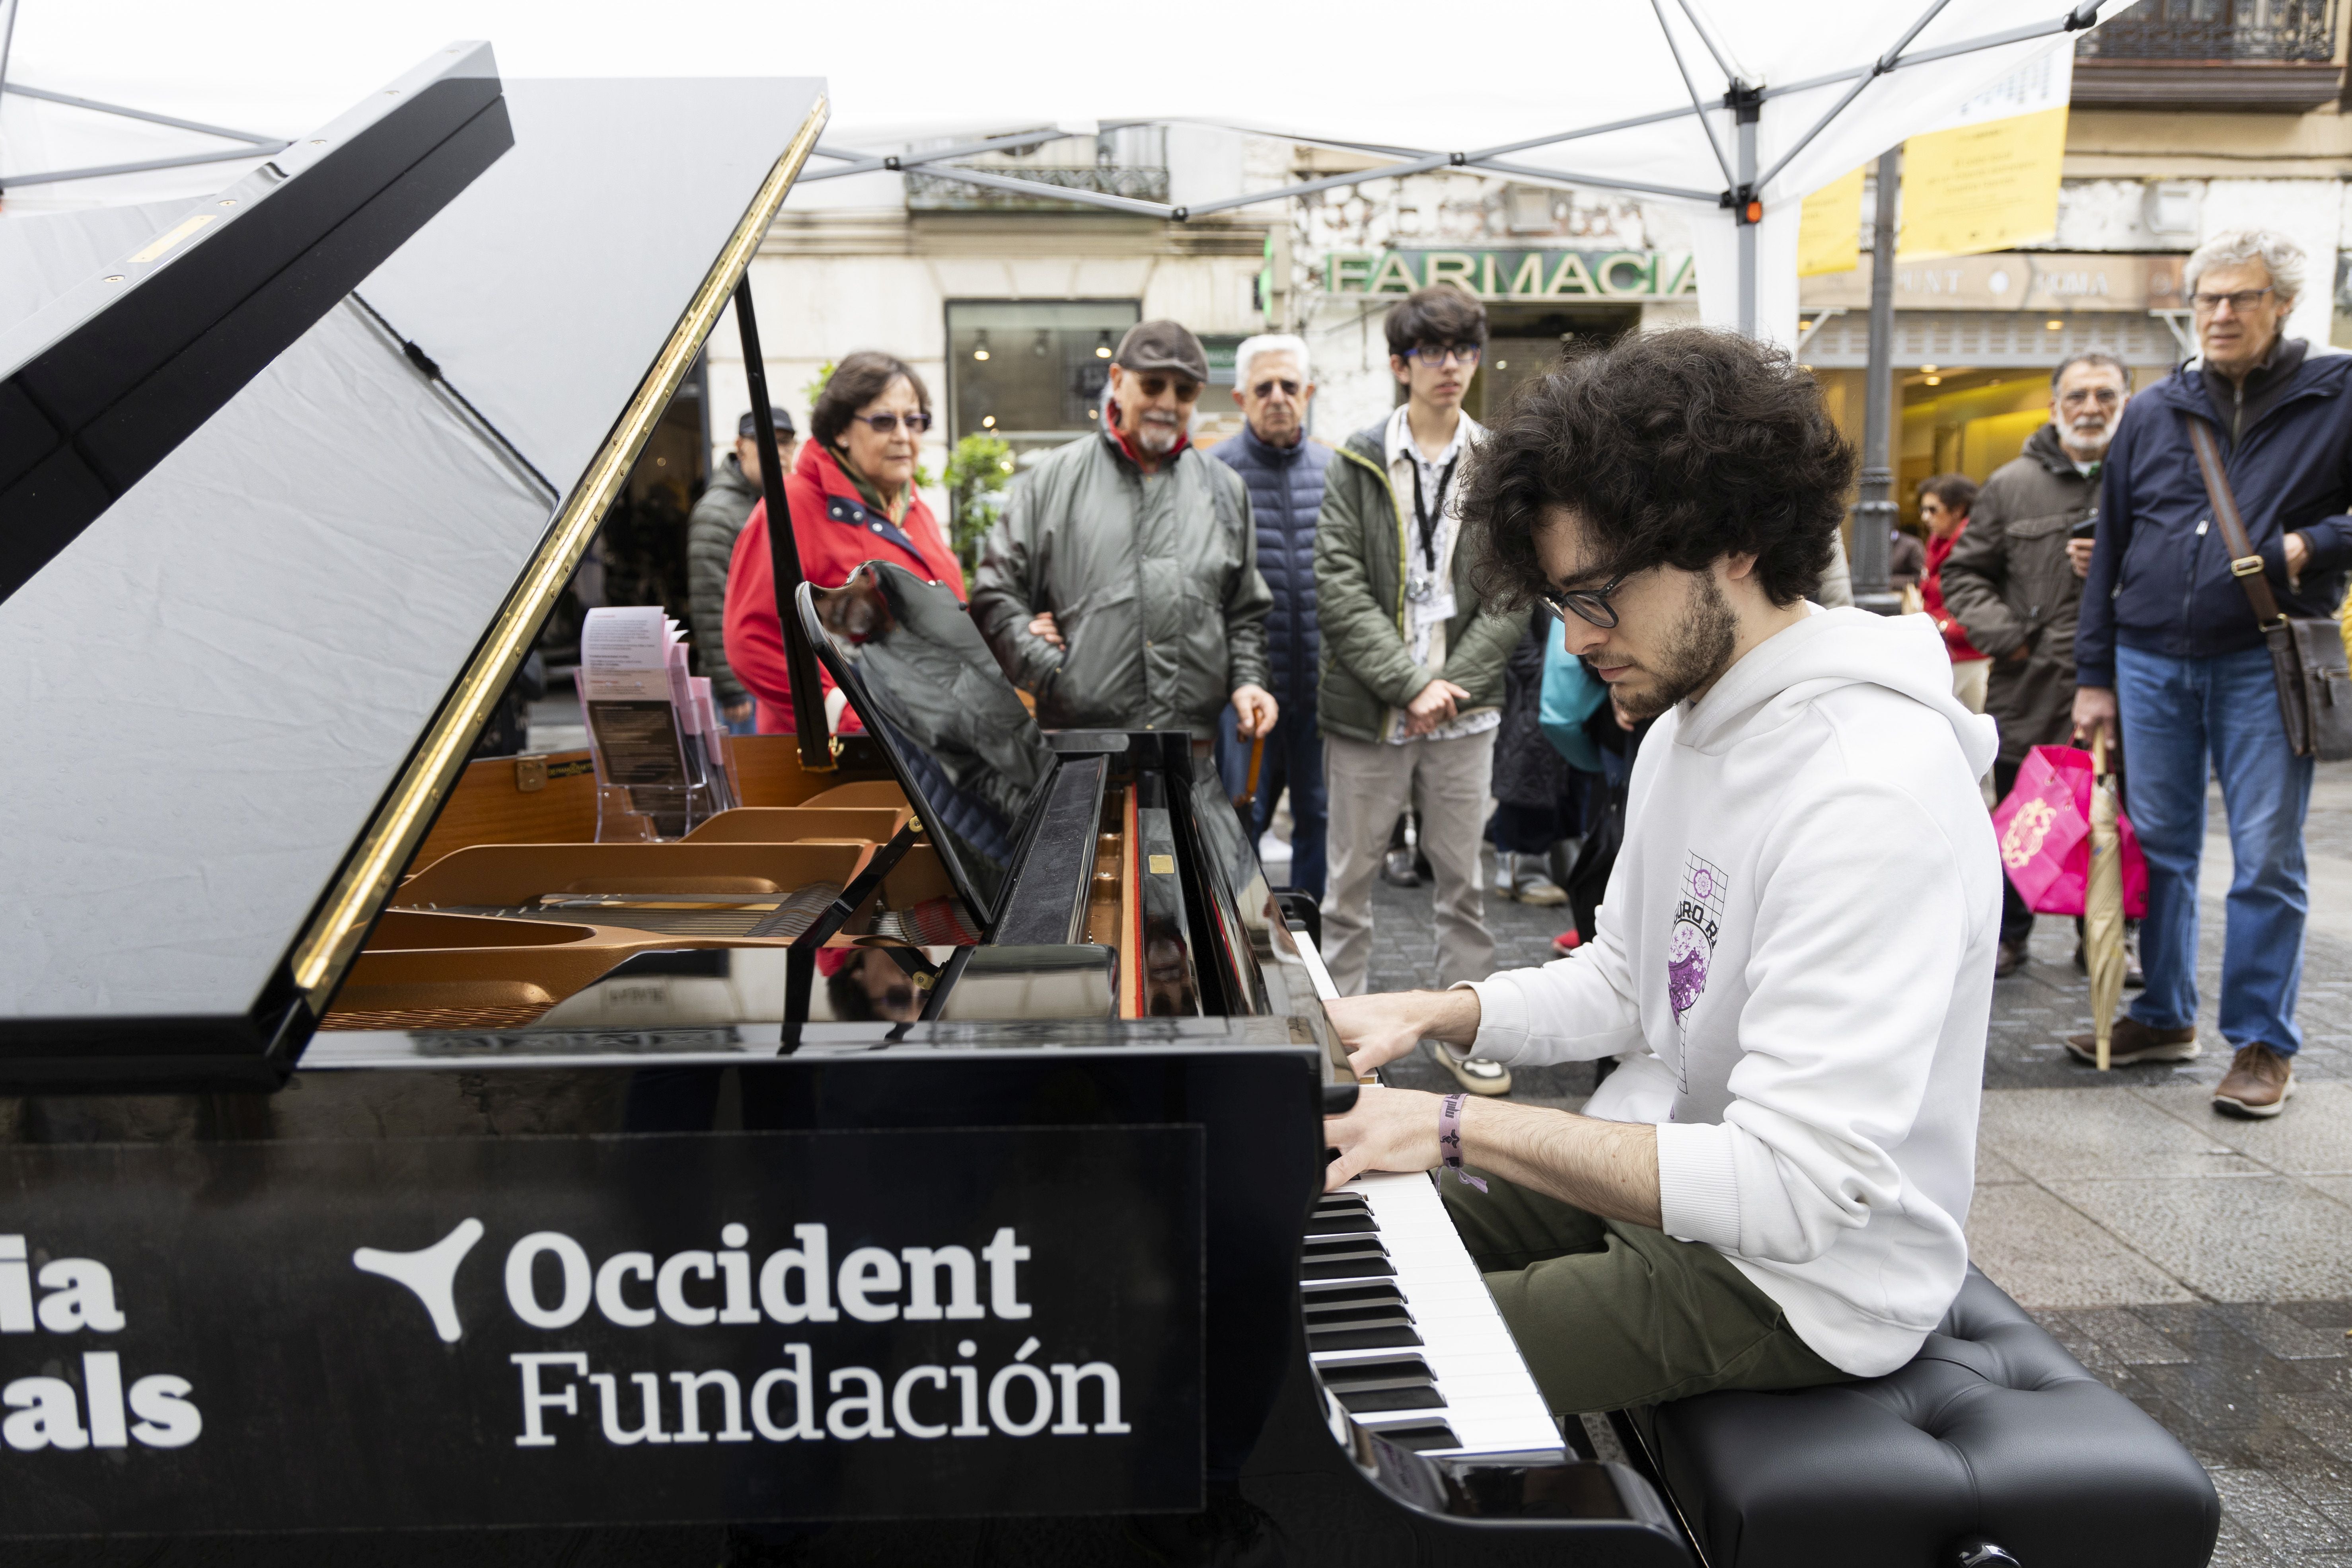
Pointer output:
x,y
1747,110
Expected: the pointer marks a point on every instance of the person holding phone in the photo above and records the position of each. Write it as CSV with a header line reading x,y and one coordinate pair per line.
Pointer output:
x,y
2014,578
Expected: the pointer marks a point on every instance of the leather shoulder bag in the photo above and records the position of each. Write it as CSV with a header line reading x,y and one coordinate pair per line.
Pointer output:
x,y
2314,689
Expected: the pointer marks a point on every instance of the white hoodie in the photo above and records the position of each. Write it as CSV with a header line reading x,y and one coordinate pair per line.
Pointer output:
x,y
1798,946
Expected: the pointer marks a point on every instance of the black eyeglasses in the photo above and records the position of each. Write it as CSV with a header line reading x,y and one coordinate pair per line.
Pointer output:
x,y
1587,604
1438,353
1265,388
888,424
2241,301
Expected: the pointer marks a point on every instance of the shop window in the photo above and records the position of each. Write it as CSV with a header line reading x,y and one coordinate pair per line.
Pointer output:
x,y
1031,373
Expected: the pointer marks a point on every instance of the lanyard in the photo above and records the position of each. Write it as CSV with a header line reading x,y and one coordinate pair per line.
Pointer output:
x,y
1420,513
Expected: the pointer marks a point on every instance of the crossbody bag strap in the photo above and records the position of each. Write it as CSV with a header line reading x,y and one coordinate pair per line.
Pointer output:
x,y
2244,564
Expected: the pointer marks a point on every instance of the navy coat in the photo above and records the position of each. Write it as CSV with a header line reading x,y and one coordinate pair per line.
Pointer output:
x,y
2159,579
1286,492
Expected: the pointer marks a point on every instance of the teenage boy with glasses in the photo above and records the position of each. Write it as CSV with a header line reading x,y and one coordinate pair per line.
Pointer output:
x,y
1413,661
1794,961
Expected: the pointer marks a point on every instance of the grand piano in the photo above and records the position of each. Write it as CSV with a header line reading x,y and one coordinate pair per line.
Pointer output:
x,y
387,1152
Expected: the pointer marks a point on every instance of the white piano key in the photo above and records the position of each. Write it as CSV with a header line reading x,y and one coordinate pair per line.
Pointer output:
x,y
1492,1405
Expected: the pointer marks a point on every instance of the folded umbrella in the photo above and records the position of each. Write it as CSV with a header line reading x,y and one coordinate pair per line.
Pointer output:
x,y
2103,900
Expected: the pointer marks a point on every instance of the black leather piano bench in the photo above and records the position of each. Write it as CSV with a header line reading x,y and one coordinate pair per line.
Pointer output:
x,y
1993,1446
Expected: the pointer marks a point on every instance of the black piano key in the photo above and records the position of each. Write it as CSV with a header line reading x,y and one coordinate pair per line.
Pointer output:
x,y
1363,1401
1330,1314
1417,1436
1362,1264
1340,1223
1342,1201
1380,1371
1318,1245
1366,1334
1325,1297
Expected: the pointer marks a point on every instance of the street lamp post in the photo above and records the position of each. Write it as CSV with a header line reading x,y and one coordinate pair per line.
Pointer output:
x,y
1873,511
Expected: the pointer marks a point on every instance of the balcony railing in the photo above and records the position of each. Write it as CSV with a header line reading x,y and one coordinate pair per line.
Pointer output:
x,y
2234,30
934,191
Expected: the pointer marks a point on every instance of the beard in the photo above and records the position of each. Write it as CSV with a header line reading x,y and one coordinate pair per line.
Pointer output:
x,y
2085,438
1700,650
1157,436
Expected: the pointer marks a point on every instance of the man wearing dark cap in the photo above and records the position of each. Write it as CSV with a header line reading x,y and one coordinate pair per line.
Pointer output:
x,y
711,529
1120,585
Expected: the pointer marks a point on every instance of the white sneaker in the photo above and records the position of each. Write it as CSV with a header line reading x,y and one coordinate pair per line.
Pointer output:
x,y
1478,1074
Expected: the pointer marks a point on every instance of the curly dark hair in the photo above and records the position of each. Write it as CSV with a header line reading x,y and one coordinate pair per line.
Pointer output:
x,y
1673,448
855,382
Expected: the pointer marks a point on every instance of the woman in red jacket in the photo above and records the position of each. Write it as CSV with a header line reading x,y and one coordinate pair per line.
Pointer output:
x,y
852,500
1944,503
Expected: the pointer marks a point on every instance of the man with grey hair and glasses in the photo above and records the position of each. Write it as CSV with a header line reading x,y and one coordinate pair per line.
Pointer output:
x,y
2014,579
1284,471
2168,650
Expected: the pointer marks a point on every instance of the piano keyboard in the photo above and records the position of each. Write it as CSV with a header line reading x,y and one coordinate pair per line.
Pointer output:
x,y
1401,1329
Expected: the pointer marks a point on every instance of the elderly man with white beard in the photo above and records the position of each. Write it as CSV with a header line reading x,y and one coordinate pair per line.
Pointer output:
x,y
1121,587
2014,579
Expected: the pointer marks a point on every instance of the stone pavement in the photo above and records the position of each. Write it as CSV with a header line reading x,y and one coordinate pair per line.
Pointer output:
x,y
2199,1264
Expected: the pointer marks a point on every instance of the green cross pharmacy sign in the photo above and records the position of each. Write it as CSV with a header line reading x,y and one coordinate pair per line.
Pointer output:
x,y
1613,275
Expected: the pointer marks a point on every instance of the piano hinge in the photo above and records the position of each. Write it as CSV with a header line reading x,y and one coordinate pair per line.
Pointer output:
x,y
531,773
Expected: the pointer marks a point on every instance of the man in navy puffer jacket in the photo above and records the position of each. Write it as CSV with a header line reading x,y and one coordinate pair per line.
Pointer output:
x,y
1284,471
2167,644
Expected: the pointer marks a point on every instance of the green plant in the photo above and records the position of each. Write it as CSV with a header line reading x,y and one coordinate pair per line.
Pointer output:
x,y
813,389
978,470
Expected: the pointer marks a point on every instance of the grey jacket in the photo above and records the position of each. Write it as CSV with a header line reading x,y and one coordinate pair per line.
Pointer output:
x,y
711,529
2009,583
1152,580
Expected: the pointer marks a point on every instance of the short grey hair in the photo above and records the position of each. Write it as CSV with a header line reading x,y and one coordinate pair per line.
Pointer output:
x,y
2274,251
2091,356
1269,343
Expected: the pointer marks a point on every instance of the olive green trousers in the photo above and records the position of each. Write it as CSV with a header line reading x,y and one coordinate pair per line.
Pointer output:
x,y
1610,1315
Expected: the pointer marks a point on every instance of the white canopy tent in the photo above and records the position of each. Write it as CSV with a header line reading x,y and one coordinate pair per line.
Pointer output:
x,y
1648,100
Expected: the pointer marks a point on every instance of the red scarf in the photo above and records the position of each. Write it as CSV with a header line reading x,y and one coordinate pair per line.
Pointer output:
x,y
1119,437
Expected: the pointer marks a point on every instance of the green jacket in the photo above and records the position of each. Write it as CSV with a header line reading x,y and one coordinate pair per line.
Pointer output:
x,y
1152,580
1360,570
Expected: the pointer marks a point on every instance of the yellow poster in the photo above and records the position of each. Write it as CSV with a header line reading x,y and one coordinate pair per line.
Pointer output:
x,y
1986,186
1829,228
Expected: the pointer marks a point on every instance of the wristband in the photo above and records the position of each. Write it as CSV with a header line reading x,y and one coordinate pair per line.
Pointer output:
x,y
1449,1138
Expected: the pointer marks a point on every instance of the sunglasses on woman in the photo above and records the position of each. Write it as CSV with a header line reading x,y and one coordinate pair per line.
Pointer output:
x,y
888,424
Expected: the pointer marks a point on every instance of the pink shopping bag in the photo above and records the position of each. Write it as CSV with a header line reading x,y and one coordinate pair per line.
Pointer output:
x,y
2045,832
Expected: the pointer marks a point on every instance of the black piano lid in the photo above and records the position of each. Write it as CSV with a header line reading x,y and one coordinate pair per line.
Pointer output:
x,y
965,748
234,702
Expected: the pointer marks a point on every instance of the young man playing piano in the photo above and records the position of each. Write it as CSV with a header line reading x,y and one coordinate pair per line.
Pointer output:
x,y
1795,962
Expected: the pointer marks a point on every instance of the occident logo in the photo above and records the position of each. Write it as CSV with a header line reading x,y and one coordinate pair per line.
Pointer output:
x,y
552,1284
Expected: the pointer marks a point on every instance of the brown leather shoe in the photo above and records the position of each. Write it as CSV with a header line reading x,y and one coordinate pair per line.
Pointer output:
x,y
2259,1083
2133,1041
2009,960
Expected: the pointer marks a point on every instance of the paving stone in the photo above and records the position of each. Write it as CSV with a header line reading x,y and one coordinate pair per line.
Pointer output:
x,y
2313,1136
2268,1509
2044,1253
2052,1134
2255,1239
2282,1335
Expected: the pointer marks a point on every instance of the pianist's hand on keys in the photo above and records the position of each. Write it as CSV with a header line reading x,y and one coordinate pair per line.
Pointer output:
x,y
1377,1030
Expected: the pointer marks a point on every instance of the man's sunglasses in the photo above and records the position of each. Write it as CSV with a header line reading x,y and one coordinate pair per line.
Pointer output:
x,y
1289,388
1586,603
1154,386
888,424
1438,353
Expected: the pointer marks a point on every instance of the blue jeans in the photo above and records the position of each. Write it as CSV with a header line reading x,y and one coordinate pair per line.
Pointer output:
x,y
2177,714
1294,761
